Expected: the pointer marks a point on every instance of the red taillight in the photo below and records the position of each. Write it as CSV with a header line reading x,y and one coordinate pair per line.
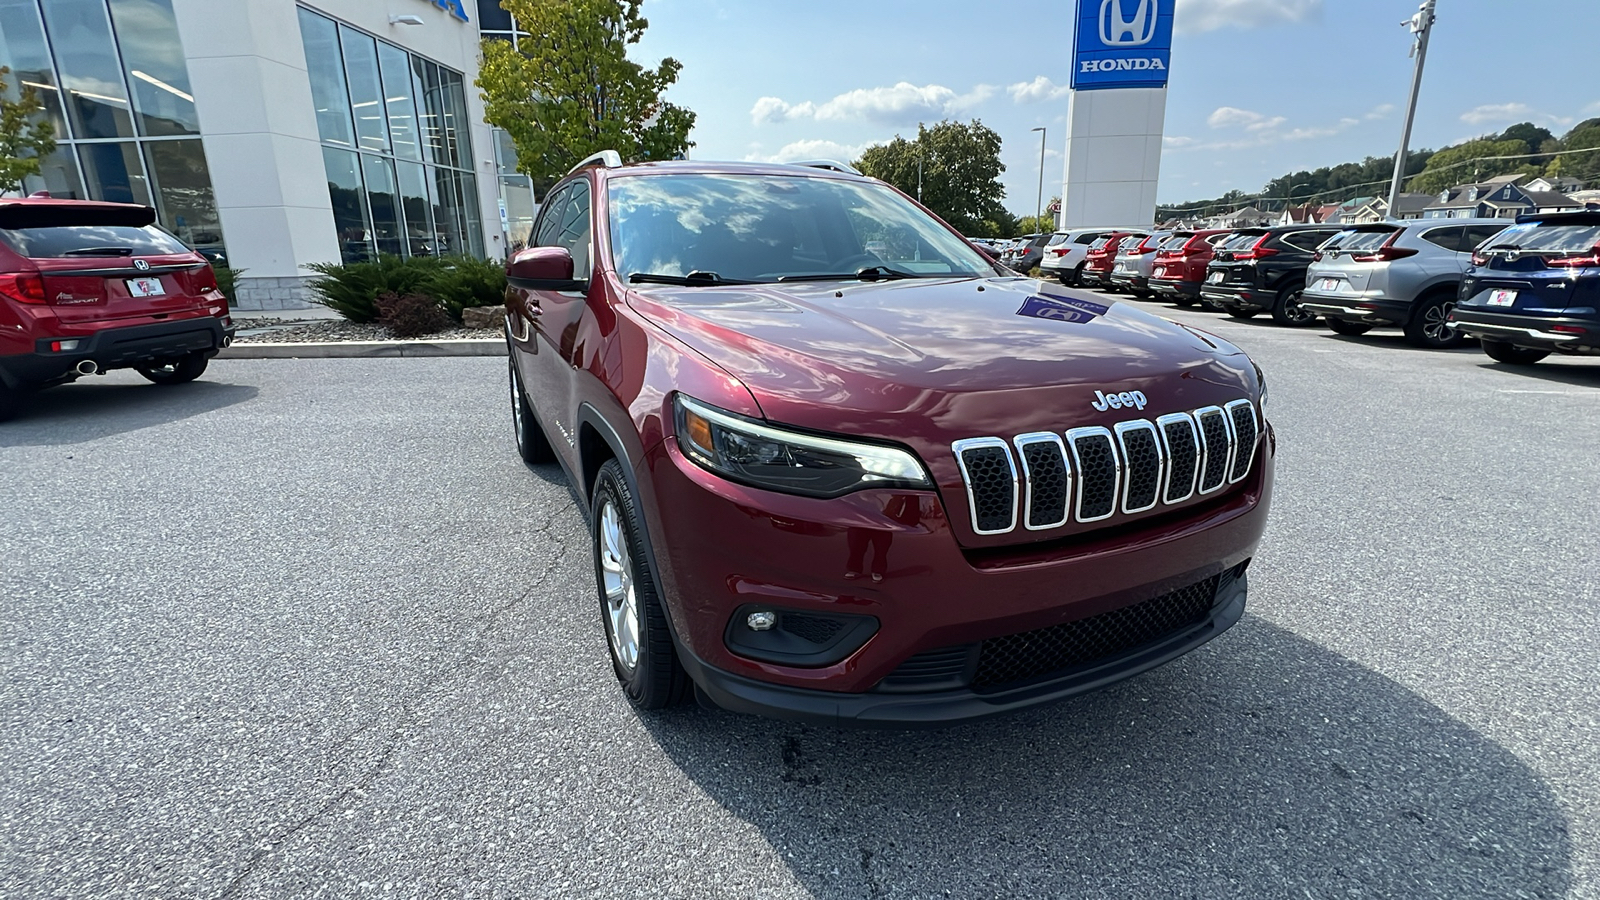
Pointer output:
x,y
1569,329
1386,252
206,279
1317,256
24,288
1593,259
1479,259
1257,251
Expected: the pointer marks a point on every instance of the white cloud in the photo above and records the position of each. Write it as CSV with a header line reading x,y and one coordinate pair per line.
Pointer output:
x,y
810,149
1040,88
1253,129
1234,117
1381,111
902,104
1196,16
1508,113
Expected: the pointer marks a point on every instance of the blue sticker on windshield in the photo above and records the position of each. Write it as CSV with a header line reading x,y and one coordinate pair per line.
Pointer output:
x,y
1063,309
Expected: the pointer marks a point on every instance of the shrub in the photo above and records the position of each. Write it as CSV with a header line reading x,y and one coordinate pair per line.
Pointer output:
x,y
410,315
352,289
462,281
228,283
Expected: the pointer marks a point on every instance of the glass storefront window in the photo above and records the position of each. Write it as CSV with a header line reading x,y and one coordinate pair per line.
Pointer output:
x,y
183,192
492,16
114,172
147,32
455,117
417,204
471,220
395,65
325,66
446,210
366,93
430,109
80,34
58,174
349,205
23,50
382,199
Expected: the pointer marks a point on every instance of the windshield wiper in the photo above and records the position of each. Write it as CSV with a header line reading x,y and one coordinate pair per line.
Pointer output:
x,y
870,273
100,251
696,278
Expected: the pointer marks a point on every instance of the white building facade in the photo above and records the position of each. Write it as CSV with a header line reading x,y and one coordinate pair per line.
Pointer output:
x,y
272,134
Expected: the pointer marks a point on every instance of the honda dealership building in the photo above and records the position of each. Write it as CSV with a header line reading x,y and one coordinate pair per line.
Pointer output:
x,y
276,133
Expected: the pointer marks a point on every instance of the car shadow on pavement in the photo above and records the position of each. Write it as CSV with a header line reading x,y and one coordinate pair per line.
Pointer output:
x,y
75,413
1262,765
1577,371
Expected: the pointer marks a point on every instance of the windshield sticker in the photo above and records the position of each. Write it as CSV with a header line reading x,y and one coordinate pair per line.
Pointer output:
x,y
1063,309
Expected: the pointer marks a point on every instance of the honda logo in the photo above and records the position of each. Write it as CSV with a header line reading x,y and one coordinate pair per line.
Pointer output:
x,y
141,265
1116,31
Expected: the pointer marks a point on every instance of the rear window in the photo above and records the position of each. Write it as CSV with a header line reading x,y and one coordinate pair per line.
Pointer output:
x,y
1087,237
1058,239
1359,240
1541,238
1130,242
1308,240
1175,242
56,242
1098,243
1241,242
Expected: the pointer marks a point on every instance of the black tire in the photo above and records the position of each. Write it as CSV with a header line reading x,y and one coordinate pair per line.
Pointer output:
x,y
1077,276
1240,313
1340,326
1510,354
1286,309
1182,300
1429,328
182,370
532,445
652,678
10,401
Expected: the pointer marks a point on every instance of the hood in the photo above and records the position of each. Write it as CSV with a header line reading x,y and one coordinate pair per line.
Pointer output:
x,y
994,356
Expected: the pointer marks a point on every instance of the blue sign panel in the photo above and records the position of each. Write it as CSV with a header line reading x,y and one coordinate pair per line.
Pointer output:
x,y
453,7
1122,44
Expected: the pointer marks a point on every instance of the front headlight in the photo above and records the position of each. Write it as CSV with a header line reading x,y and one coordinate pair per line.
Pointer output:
x,y
759,455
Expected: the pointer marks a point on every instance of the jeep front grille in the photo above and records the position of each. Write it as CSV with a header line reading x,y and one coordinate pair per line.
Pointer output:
x,y
1090,474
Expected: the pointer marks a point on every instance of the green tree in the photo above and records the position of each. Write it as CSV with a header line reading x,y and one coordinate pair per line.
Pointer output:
x,y
960,174
1526,132
568,89
24,138
1468,163
1583,166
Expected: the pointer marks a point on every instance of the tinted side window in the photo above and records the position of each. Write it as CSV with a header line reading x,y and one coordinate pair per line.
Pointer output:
x,y
1448,238
543,234
1304,240
1088,238
1477,234
574,229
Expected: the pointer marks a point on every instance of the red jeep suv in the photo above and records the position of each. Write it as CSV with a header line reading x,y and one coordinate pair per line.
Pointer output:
x,y
840,467
86,287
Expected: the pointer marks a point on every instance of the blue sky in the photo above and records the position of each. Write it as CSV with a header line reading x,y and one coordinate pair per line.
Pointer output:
x,y
1258,87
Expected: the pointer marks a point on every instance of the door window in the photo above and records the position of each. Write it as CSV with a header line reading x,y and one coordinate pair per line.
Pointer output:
x,y
574,229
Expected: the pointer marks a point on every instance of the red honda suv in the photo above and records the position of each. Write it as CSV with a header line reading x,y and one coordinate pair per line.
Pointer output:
x,y
86,287
1180,265
840,467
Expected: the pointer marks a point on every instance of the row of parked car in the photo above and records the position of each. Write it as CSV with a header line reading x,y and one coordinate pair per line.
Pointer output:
x,y
1523,289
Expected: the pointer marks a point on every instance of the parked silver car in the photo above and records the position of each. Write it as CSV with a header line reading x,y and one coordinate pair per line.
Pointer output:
x,y
1135,259
1396,273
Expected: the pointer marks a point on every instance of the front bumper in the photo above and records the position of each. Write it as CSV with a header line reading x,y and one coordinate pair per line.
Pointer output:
x,y
117,348
1530,331
891,555
1372,309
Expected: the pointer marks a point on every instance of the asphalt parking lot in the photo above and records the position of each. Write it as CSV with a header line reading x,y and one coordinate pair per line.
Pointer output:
x,y
310,628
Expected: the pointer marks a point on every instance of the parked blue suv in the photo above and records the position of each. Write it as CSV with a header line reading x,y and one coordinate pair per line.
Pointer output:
x,y
1534,289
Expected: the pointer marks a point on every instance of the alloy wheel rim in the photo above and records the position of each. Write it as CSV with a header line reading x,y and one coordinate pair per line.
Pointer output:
x,y
616,577
1435,322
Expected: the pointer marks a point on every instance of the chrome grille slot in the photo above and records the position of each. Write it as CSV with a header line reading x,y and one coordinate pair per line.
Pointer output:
x,y
1044,466
1143,465
1099,470
991,479
1216,438
1181,442
1242,416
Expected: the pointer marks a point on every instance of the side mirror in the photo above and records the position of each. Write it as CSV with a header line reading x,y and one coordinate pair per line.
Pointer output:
x,y
543,269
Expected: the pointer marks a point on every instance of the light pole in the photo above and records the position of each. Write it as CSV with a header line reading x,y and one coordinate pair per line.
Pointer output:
x,y
1292,188
1420,24
1038,204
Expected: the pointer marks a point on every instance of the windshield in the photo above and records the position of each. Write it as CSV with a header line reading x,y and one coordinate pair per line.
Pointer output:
x,y
1541,238
767,227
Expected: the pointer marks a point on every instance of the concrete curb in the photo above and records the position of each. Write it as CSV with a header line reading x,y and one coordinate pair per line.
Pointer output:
x,y
365,349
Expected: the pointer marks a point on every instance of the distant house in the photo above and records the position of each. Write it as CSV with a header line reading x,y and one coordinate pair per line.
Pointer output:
x,y
1587,199
1559,183
1248,217
1376,209
1499,197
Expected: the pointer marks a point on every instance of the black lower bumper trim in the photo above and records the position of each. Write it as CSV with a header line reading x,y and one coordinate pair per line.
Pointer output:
x,y
930,710
116,348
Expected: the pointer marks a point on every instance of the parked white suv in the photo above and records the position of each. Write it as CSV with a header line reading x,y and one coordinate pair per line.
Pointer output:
x,y
1396,273
1064,254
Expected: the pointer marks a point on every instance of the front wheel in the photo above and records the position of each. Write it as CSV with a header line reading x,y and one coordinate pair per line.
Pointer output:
x,y
635,623
1286,310
1430,328
1340,326
1510,354
176,371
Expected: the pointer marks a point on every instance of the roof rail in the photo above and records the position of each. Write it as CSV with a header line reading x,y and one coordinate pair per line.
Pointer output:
x,y
831,165
608,158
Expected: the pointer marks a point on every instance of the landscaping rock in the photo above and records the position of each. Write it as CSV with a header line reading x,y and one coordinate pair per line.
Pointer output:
x,y
484,317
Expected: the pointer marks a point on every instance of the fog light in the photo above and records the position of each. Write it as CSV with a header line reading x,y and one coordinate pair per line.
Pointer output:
x,y
761,621
63,346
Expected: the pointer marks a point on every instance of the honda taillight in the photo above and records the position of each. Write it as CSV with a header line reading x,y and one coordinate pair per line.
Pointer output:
x,y
1317,256
1478,259
1144,246
1257,250
1386,252
24,288
1593,259
206,279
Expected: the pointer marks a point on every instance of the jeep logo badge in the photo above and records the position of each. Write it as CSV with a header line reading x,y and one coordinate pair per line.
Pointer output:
x,y
1103,402
141,265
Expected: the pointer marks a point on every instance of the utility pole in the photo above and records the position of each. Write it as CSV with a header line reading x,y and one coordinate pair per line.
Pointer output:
x,y
1421,25
920,151
1038,204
